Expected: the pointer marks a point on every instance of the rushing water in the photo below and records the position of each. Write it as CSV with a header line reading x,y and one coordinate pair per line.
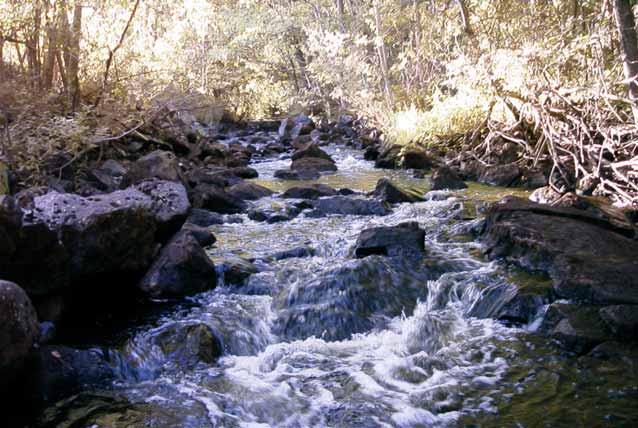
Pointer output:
x,y
330,340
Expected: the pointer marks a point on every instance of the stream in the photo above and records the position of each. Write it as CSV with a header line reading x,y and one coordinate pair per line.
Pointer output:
x,y
332,340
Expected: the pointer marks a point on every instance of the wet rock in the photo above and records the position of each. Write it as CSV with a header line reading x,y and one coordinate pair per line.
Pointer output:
x,y
446,178
247,191
388,157
501,175
622,320
274,214
284,174
313,164
416,159
182,268
343,205
390,192
580,328
310,151
244,172
313,191
588,258
371,153
203,235
159,164
297,252
187,344
204,218
406,238
19,331
62,371
237,270
213,198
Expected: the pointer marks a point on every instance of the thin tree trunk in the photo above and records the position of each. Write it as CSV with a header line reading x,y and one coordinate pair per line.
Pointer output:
x,y
626,24
112,52
73,63
465,16
381,52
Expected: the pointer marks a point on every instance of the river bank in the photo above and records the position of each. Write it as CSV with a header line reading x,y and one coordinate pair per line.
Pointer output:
x,y
298,286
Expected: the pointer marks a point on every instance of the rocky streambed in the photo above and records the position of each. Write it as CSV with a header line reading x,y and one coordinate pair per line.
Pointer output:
x,y
290,283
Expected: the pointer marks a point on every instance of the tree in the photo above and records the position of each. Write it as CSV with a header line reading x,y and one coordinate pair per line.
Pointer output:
x,y
626,24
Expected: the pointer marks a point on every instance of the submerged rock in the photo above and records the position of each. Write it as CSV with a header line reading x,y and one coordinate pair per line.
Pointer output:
x,y
406,238
446,178
312,191
182,268
310,174
392,193
344,205
187,344
237,270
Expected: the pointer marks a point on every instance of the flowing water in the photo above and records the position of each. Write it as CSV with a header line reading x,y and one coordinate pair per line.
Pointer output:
x,y
330,340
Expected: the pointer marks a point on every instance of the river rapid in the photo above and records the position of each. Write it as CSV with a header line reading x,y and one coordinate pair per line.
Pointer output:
x,y
329,340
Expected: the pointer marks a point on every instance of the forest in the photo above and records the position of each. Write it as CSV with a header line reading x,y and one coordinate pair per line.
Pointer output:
x,y
318,213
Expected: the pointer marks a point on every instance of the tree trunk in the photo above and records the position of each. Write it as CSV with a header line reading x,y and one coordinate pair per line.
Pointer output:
x,y
465,16
73,64
629,48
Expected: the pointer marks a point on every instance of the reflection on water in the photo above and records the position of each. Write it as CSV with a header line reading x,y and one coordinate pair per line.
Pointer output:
x,y
328,340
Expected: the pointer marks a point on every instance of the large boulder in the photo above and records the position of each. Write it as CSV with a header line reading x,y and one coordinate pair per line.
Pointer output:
x,y
169,205
580,328
303,165
390,192
312,191
343,205
247,191
19,330
622,320
159,164
406,238
589,259
446,178
182,268
214,198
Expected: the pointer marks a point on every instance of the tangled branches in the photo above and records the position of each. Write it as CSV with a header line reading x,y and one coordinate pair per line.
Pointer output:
x,y
590,141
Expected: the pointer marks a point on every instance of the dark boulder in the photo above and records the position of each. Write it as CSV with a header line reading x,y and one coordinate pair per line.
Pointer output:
x,y
285,174
446,178
390,192
244,172
19,331
416,159
274,214
310,151
343,205
62,371
406,238
580,328
501,175
388,157
214,198
622,320
588,258
371,153
204,218
203,235
313,191
247,191
313,164
182,268
159,164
